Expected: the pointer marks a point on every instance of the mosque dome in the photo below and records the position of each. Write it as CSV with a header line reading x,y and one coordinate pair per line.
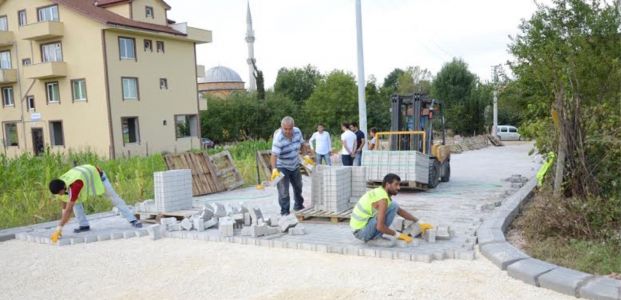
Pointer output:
x,y
221,74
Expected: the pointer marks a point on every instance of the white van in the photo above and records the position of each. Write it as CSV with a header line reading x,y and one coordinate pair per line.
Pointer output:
x,y
507,133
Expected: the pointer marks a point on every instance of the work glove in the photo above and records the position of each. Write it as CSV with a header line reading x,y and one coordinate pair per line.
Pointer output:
x,y
275,174
308,160
424,227
404,237
56,235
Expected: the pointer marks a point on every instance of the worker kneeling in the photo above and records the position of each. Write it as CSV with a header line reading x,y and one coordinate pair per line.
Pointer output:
x,y
374,213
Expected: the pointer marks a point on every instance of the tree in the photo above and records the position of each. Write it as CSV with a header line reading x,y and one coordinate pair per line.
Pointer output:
x,y
334,100
258,76
378,105
391,82
415,80
297,83
568,60
454,86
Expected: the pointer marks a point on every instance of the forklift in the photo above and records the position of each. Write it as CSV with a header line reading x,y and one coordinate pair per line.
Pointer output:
x,y
412,120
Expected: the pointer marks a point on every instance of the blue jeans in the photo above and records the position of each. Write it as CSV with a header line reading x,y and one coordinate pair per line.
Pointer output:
x,y
325,157
370,231
295,178
347,160
78,208
358,159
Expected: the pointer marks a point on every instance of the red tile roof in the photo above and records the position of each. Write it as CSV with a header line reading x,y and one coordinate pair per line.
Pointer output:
x,y
104,3
102,15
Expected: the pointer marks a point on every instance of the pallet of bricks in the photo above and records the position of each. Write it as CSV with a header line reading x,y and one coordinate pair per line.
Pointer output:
x,y
411,166
334,191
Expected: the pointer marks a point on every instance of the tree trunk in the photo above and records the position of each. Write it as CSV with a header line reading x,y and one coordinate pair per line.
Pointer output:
x,y
562,145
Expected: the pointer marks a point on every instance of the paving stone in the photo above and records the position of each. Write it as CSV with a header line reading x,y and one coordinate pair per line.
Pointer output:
x,y
63,242
423,258
6,237
287,222
116,235
141,232
198,224
155,231
211,223
385,253
528,270
103,237
77,240
335,249
430,236
22,236
186,224
601,288
129,234
321,248
502,254
464,255
563,280
490,235
439,255
404,255
90,238
368,252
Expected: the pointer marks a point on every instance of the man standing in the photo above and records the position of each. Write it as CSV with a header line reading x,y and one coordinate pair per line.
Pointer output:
x,y
323,145
359,143
83,183
285,160
348,140
376,210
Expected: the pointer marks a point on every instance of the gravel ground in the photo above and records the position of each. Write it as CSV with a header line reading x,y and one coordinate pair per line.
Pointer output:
x,y
184,269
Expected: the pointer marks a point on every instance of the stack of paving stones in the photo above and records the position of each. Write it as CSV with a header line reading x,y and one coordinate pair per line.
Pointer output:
x,y
173,190
331,188
358,183
409,165
493,245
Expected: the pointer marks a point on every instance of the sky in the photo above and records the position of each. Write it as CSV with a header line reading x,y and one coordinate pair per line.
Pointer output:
x,y
396,33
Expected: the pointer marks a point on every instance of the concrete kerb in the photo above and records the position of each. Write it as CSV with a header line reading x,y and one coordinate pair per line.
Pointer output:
x,y
493,245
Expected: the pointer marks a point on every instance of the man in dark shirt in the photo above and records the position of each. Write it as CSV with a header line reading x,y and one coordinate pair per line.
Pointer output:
x,y
359,143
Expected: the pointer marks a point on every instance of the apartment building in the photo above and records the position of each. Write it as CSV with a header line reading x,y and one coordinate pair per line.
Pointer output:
x,y
115,77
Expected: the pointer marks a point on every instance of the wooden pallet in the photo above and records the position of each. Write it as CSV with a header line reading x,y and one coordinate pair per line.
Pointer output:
x,y
311,213
226,172
405,185
264,167
149,217
204,177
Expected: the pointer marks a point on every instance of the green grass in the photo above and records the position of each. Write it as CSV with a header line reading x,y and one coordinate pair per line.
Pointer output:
x,y
597,257
25,198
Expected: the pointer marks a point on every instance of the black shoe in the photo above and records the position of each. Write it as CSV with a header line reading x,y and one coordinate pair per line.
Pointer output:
x,y
299,208
284,214
136,224
82,229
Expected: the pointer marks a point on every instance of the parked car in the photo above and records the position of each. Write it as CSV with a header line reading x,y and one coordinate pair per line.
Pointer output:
x,y
207,143
507,133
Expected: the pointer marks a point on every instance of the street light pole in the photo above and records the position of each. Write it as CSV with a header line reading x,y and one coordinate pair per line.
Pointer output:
x,y
362,105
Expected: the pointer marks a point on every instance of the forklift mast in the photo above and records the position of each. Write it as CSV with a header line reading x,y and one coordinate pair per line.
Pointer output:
x,y
414,112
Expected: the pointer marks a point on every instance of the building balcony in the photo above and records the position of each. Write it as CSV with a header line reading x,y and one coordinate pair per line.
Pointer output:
x,y
7,38
46,70
42,31
8,76
200,36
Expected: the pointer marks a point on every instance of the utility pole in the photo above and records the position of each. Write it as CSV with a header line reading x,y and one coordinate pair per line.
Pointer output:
x,y
495,71
362,105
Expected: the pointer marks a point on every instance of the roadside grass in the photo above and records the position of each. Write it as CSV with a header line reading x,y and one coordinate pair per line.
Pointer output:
x,y
597,257
555,230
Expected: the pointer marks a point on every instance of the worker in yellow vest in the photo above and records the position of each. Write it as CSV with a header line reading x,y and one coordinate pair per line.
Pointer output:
x,y
375,211
82,183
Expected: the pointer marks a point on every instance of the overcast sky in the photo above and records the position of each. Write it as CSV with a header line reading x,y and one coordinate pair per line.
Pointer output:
x,y
396,33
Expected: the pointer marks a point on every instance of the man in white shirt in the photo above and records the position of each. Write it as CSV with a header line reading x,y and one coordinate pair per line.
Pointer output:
x,y
322,145
348,151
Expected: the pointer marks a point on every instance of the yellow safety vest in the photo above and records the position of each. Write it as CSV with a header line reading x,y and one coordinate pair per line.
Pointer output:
x,y
364,210
93,186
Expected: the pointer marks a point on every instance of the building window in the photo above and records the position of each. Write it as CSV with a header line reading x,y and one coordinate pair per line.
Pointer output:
x,y
10,134
4,24
163,84
186,125
26,61
7,96
47,14
5,60
148,12
130,88
78,89
160,46
30,102
130,130
148,45
21,17
127,48
51,52
56,133
52,92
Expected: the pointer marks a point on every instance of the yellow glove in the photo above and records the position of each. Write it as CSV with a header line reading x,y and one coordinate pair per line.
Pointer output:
x,y
275,174
424,227
308,160
402,236
56,235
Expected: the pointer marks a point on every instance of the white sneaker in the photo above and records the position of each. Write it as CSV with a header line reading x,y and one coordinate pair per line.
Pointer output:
x,y
381,242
